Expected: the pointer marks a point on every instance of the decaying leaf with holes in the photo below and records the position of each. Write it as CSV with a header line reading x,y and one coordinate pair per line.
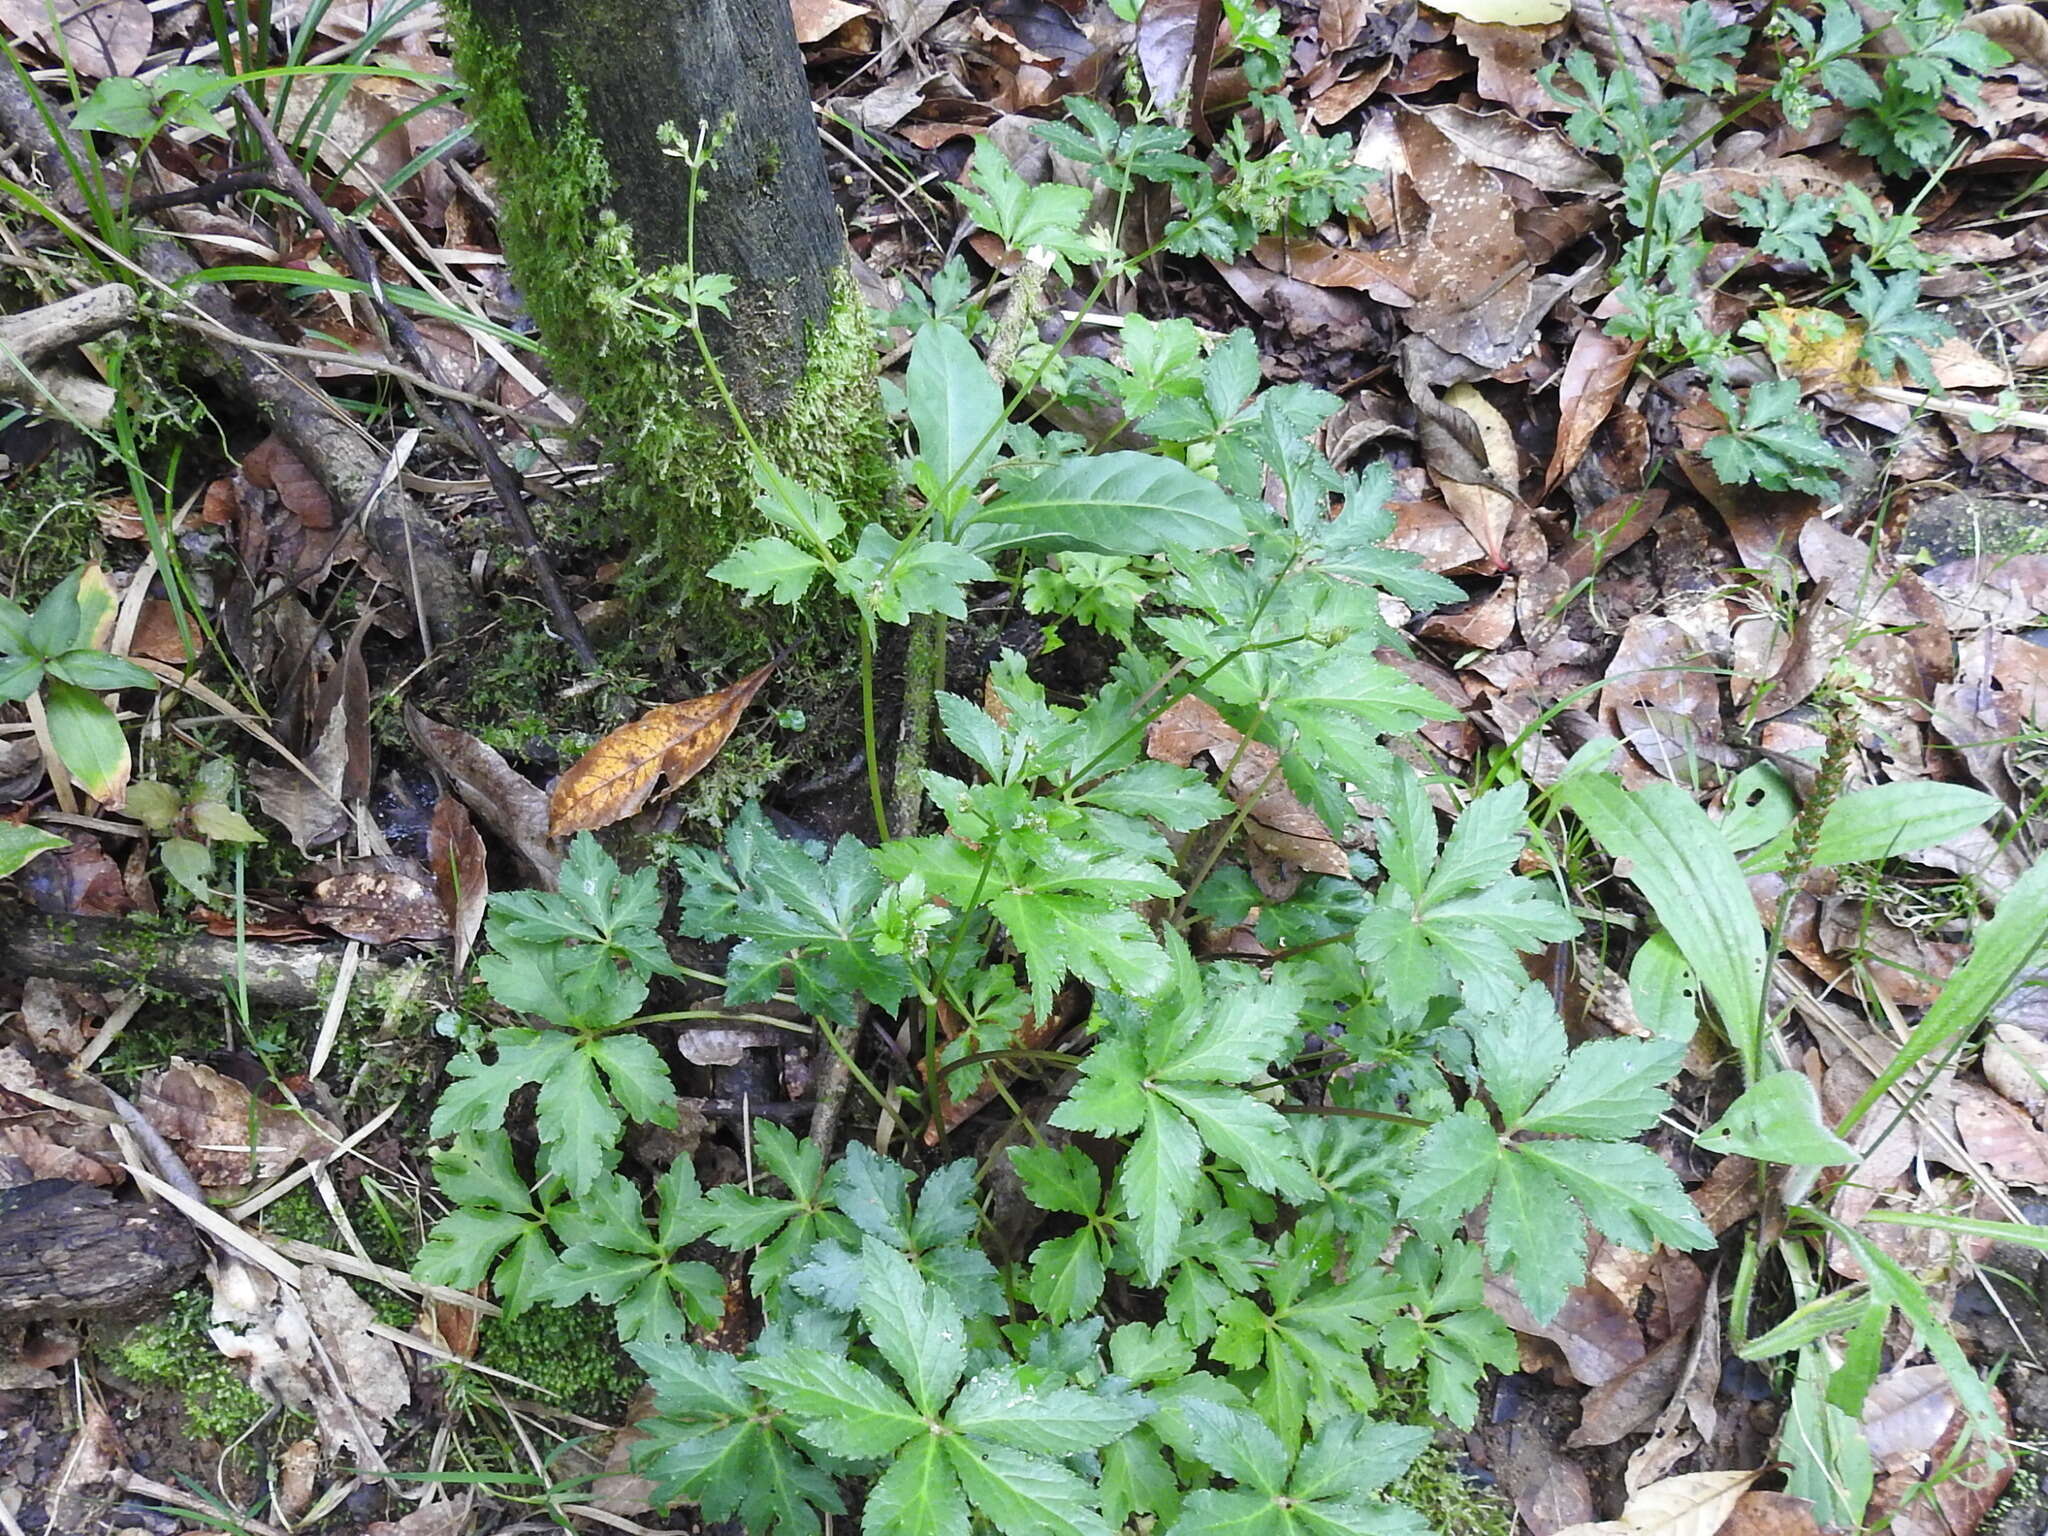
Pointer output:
x,y
616,777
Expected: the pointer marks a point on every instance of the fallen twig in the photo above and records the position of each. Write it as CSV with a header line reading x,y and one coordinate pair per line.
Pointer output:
x,y
504,484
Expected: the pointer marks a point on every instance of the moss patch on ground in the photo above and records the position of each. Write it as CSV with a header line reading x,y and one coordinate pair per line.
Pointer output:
x,y
572,1353
175,1351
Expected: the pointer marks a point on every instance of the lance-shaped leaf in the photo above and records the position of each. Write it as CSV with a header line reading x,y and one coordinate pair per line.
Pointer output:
x,y
615,778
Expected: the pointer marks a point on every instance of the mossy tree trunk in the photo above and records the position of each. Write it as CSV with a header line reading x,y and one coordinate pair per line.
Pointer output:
x,y
569,97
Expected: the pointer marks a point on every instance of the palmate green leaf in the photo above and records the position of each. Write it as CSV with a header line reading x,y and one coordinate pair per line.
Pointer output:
x,y
894,578
787,1227
496,1222
1454,920
1309,1351
1114,504
1164,1078
769,567
801,922
1105,943
596,905
1330,1489
1518,1050
1681,863
712,1441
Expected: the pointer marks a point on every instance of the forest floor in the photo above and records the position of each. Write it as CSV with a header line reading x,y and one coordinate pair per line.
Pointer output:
x,y
1711,370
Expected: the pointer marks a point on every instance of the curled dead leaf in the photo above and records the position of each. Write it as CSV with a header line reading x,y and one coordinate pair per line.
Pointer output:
x,y
615,778
1278,824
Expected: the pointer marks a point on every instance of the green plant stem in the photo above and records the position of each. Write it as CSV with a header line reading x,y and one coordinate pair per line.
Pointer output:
x,y
924,669
868,732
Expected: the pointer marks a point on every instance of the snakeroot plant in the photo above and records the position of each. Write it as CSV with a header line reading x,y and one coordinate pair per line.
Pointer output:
x,y
1257,1184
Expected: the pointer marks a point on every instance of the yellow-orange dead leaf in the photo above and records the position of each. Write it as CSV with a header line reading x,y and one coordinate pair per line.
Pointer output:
x,y
674,741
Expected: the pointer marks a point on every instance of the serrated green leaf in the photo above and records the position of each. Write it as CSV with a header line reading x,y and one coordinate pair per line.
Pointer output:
x,y
769,567
1024,1494
1052,1421
916,1326
1534,1230
1518,1051
1609,1089
842,1408
1452,1172
917,1496
1626,1190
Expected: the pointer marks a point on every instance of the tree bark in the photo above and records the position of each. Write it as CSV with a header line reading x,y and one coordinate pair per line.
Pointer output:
x,y
618,72
104,951
73,1250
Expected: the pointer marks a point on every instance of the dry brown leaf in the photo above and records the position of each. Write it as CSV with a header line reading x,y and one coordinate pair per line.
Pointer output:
x,y
378,901
1166,52
1508,59
1771,1514
209,1119
2001,1137
615,778
1484,511
511,805
1598,1334
1595,374
1697,1504
100,40
2020,30
817,20
1499,141
311,1347
1623,1404
2016,1064
1906,1413
1277,823
274,467
461,875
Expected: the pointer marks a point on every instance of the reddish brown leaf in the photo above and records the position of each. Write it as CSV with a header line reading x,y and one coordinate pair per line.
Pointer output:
x,y
1594,376
456,855
275,467
615,778
1771,1514
1278,824
510,805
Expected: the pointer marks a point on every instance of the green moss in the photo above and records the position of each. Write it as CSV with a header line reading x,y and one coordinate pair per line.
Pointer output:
x,y
1448,1500
48,526
683,489
174,1350
571,1352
